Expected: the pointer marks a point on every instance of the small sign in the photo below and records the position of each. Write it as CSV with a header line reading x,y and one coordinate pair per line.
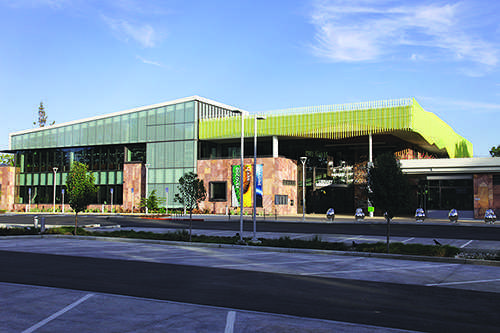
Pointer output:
x,y
29,191
62,191
132,189
371,209
166,189
111,190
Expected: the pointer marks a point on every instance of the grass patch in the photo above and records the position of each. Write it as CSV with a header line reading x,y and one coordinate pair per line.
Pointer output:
x,y
409,249
284,242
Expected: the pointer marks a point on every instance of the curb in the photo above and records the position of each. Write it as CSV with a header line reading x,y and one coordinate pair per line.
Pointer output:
x,y
275,249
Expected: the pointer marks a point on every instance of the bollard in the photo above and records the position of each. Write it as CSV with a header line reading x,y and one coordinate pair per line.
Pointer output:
x,y
330,214
490,216
420,215
35,221
359,215
388,217
453,215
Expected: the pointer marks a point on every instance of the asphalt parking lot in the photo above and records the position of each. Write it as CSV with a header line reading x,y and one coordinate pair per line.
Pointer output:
x,y
41,309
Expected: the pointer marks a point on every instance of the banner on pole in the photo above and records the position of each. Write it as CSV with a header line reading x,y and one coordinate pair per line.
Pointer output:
x,y
247,189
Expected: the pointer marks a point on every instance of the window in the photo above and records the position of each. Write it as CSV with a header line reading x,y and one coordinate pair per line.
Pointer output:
x,y
217,191
496,179
289,182
281,199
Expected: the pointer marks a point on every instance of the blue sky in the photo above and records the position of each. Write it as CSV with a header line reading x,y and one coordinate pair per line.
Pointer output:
x,y
86,58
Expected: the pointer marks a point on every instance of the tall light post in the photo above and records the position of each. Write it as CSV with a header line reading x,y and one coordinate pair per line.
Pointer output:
x,y
111,190
254,239
55,171
62,192
147,165
241,170
303,159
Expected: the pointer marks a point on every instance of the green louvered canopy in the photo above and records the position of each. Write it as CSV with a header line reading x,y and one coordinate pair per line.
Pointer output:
x,y
403,118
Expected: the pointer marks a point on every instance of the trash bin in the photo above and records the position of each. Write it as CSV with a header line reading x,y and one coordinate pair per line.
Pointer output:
x,y
453,215
420,215
359,215
330,214
35,221
489,216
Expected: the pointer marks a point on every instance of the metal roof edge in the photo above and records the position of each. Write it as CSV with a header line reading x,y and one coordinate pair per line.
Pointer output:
x,y
137,109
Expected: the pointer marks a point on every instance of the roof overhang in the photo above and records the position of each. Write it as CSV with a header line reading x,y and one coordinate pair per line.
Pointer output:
x,y
451,166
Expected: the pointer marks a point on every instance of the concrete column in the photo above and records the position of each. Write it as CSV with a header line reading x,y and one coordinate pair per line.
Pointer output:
x,y
275,146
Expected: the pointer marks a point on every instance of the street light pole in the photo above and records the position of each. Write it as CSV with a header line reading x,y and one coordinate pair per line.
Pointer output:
x,y
55,171
254,239
241,174
303,160
147,165
241,171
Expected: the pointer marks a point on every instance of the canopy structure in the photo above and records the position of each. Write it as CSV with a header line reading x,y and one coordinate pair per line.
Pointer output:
x,y
403,118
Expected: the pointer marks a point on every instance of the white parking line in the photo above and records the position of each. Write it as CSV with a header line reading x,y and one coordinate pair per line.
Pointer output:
x,y
460,282
407,240
466,244
231,317
57,314
305,261
379,269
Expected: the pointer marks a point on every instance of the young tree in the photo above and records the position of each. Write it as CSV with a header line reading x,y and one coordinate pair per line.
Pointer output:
x,y
495,151
152,202
7,159
81,188
42,117
191,193
390,188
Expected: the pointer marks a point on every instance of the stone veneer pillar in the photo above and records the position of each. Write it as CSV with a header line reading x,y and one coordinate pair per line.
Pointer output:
x,y
133,178
8,187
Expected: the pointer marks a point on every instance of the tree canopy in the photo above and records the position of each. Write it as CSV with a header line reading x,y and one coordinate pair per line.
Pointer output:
x,y
81,188
42,117
389,187
495,151
152,202
7,159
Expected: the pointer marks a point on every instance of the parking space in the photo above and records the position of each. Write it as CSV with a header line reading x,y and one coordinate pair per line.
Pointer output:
x,y
42,309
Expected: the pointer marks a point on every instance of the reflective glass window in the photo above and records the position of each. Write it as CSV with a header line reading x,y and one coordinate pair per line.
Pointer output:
x,y
179,113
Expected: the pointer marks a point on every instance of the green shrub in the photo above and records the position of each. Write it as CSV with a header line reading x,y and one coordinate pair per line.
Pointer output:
x,y
284,242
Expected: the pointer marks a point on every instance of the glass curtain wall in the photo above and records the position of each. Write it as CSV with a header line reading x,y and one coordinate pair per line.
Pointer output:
x,y
164,137
171,148
36,172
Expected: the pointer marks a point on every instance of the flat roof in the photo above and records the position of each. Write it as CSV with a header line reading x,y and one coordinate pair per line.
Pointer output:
x,y
142,108
451,165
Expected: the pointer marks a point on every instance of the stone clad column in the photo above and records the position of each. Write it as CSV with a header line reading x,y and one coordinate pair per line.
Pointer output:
x,y
8,187
133,178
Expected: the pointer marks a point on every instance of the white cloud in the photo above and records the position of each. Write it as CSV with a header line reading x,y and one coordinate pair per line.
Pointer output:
x,y
440,103
150,62
56,4
364,30
143,34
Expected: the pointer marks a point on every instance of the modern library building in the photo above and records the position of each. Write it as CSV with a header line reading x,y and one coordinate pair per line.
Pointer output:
x,y
133,152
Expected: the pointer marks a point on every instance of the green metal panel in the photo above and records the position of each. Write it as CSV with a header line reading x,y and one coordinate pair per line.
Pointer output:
x,y
345,121
437,132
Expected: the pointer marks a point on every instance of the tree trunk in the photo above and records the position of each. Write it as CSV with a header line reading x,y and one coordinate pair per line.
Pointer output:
x,y
76,222
190,223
